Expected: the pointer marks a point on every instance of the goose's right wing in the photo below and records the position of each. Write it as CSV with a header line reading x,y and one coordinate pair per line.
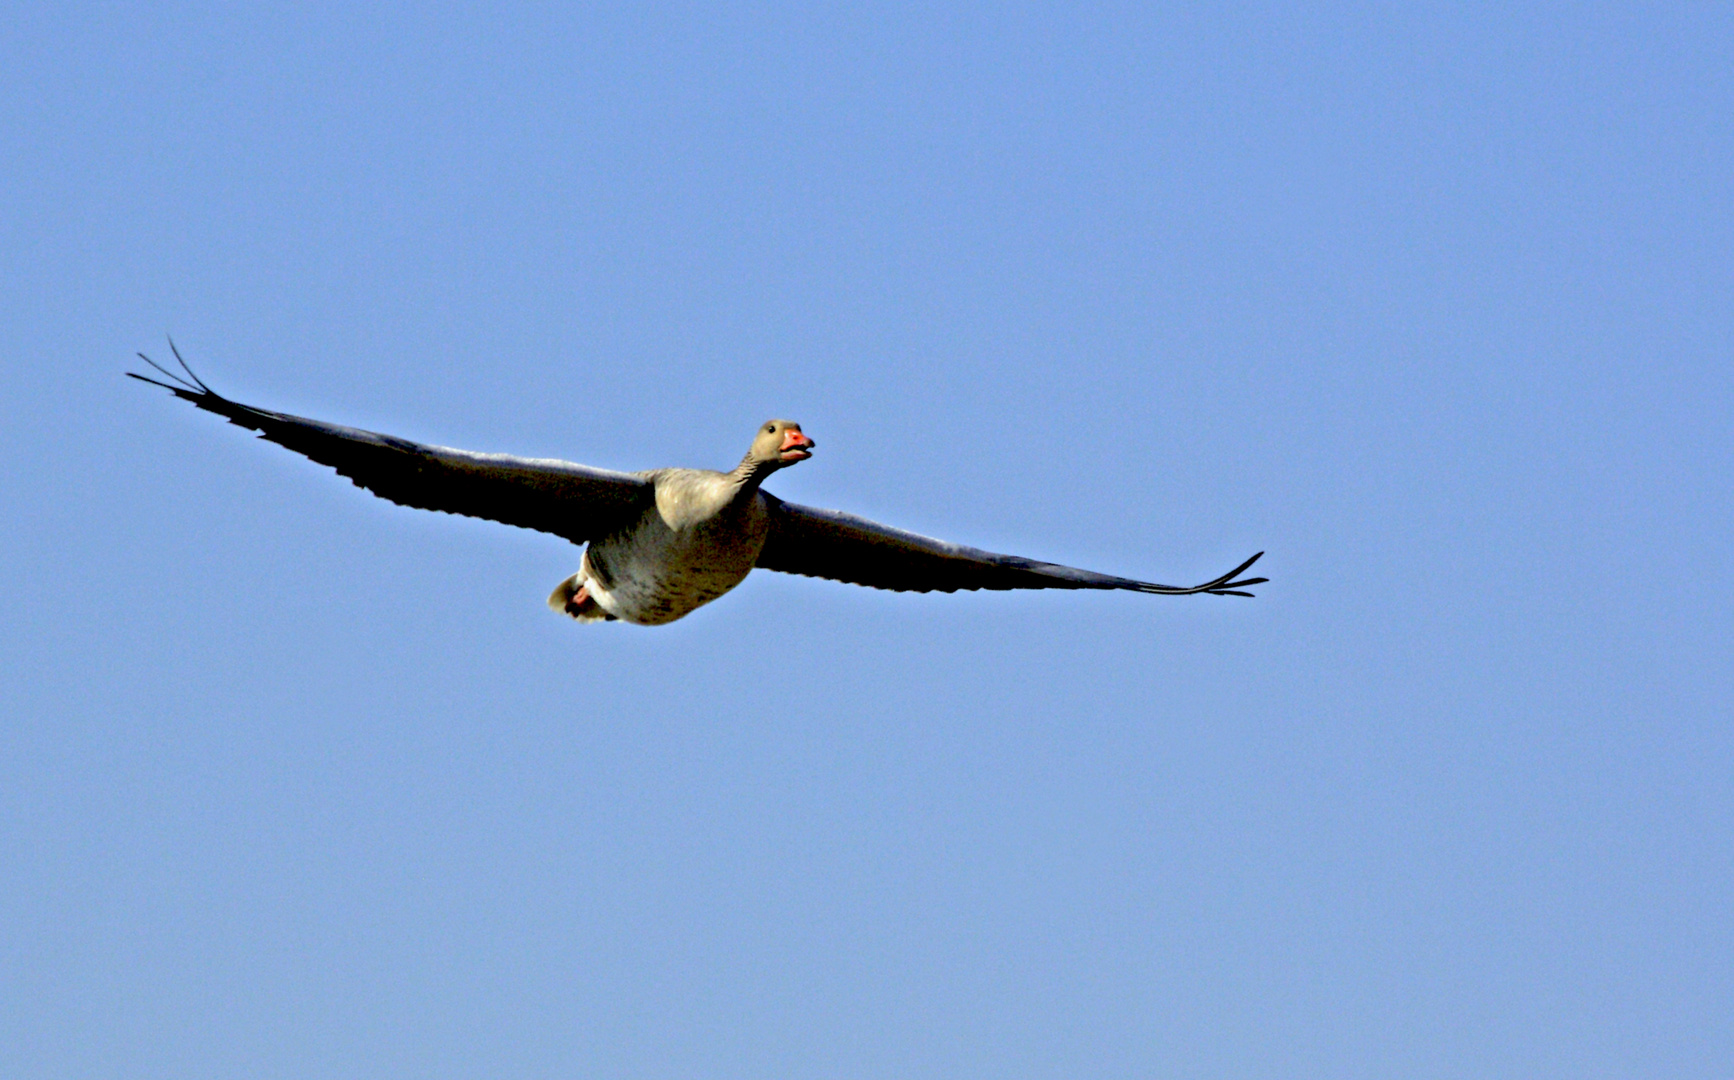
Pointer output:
x,y
843,547
559,497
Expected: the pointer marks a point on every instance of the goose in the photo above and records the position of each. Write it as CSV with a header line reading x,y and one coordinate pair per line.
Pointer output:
x,y
662,543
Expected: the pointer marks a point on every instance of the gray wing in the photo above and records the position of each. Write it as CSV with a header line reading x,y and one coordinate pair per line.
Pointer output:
x,y
843,547
557,497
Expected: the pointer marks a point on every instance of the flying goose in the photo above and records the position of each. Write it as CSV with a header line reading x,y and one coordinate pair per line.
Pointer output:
x,y
664,542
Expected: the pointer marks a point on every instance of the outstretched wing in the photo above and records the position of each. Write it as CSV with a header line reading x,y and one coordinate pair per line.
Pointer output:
x,y
843,547
552,496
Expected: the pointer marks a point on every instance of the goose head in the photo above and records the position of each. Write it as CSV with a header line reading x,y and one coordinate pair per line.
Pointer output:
x,y
780,443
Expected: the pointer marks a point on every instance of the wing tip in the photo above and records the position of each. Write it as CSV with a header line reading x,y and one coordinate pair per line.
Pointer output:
x,y
1229,584
190,387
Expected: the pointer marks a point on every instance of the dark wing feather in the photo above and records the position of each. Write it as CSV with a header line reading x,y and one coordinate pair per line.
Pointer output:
x,y
557,497
843,547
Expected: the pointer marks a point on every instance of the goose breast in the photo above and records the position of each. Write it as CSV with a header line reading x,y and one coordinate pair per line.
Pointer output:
x,y
698,541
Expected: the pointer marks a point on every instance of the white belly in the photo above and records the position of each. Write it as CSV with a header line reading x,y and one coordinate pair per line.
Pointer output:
x,y
675,559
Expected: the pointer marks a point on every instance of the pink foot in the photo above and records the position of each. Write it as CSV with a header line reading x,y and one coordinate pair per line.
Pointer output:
x,y
581,602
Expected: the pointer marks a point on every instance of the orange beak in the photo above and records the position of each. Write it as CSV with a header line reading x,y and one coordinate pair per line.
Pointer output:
x,y
796,446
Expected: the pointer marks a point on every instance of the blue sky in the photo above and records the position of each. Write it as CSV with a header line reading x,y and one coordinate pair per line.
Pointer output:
x,y
1429,302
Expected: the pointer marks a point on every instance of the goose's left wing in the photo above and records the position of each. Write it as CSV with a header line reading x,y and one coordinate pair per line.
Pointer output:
x,y
559,497
843,547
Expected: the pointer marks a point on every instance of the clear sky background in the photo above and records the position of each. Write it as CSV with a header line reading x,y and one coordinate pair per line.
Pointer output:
x,y
1433,303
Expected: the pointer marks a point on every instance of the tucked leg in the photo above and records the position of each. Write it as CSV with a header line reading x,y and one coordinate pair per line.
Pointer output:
x,y
574,599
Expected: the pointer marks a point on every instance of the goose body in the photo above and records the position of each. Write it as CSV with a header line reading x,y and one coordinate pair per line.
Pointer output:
x,y
699,539
661,544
